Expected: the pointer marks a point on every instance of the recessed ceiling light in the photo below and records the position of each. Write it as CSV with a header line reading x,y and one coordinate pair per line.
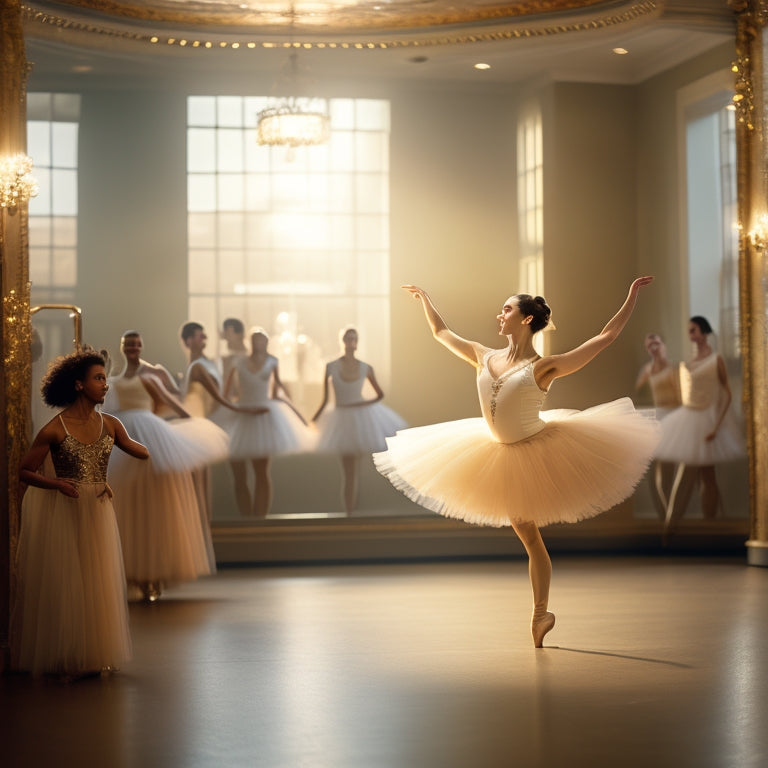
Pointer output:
x,y
620,51
82,68
482,65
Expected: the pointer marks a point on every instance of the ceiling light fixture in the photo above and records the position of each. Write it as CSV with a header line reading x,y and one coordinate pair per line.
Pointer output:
x,y
297,119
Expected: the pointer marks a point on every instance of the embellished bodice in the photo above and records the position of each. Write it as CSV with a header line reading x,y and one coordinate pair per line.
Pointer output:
x,y
254,385
511,402
665,388
699,383
347,392
82,462
197,399
128,394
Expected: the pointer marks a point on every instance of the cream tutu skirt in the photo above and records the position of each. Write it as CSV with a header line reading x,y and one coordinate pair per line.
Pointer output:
x,y
360,429
579,464
179,445
71,614
163,534
684,432
278,432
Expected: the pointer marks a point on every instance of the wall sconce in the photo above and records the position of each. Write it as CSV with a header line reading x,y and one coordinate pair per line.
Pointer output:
x,y
17,184
758,235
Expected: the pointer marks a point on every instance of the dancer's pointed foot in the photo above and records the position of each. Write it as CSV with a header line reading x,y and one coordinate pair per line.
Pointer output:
x,y
540,627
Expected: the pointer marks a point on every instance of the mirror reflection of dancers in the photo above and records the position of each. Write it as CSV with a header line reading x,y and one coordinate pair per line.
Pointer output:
x,y
233,334
356,426
664,382
165,538
703,432
273,428
521,466
203,397
70,616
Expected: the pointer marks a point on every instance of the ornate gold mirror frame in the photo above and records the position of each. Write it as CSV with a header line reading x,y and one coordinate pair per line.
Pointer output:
x,y
752,148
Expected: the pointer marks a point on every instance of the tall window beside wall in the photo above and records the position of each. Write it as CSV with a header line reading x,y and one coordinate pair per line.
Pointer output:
x,y
295,241
52,128
530,205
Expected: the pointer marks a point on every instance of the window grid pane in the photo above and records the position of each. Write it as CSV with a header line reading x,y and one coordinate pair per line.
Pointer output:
x,y
294,241
52,129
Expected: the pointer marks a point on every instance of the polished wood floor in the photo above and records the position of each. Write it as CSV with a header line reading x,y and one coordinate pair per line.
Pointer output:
x,y
653,662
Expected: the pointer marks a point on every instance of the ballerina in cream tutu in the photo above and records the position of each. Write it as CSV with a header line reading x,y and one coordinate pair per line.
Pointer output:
x,y
166,536
70,615
703,431
664,381
519,465
356,426
273,428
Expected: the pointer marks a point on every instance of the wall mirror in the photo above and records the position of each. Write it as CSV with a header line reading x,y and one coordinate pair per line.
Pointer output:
x,y
548,153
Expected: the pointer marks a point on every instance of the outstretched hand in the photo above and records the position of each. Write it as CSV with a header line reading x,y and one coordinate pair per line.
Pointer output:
x,y
639,283
415,291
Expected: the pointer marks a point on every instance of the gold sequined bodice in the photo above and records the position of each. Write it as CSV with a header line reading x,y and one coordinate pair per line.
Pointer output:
x,y
82,462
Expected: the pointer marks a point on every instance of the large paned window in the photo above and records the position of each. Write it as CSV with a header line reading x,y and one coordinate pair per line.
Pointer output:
x,y
52,128
294,241
530,207
52,139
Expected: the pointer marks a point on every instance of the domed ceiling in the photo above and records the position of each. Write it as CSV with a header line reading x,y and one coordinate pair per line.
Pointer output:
x,y
517,40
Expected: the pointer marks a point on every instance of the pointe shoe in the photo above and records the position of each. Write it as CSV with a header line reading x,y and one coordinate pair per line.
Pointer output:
x,y
540,627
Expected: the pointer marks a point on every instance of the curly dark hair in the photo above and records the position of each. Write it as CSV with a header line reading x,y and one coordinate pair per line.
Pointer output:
x,y
58,384
536,306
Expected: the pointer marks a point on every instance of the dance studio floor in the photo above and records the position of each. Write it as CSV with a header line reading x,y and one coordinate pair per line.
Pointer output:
x,y
653,662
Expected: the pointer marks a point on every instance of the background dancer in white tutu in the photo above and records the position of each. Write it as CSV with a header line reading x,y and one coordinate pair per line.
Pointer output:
x,y
274,427
520,466
70,615
355,426
704,431
233,334
664,381
166,538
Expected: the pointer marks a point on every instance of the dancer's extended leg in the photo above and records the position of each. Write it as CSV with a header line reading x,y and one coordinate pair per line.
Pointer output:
x,y
349,482
540,573
681,494
262,492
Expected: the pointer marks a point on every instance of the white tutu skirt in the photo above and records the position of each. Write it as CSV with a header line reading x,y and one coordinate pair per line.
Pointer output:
x,y
684,432
162,531
579,464
71,614
350,430
179,445
275,433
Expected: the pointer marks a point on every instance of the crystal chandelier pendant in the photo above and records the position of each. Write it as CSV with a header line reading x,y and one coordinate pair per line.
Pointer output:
x,y
293,125
296,120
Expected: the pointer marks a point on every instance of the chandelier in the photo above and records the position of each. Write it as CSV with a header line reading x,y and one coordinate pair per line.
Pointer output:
x,y
296,120
17,184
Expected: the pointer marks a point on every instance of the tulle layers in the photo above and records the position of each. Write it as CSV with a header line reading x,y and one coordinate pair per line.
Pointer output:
x,y
71,614
277,432
684,437
179,445
360,429
581,463
162,534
